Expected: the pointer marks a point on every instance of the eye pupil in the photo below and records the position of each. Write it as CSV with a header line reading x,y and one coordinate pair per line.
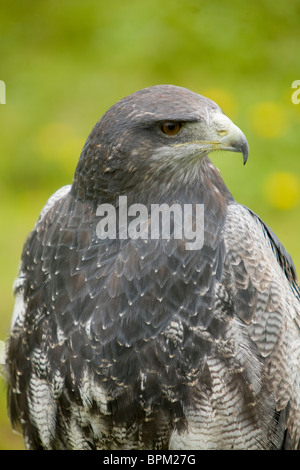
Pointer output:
x,y
170,127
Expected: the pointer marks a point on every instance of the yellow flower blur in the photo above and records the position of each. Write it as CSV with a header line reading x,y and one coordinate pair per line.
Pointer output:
x,y
282,190
268,119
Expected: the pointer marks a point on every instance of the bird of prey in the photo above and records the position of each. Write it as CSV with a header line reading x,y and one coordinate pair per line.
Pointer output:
x,y
140,342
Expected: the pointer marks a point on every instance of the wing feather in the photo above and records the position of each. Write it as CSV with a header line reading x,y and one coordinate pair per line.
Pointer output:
x,y
273,311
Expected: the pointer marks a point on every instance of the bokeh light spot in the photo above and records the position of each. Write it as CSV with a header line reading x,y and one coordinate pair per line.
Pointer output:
x,y
223,98
268,119
58,142
282,190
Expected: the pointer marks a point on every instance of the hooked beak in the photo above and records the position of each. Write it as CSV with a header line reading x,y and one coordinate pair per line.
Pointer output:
x,y
220,134
227,136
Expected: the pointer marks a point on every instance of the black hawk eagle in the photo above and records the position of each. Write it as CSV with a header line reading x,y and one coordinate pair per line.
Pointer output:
x,y
140,342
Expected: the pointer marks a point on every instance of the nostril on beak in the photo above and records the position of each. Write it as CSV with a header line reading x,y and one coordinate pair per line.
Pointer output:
x,y
222,132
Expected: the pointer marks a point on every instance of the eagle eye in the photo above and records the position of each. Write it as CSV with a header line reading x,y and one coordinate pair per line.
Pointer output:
x,y
170,127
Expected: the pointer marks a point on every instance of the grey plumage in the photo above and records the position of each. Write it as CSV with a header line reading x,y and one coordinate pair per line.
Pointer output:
x,y
141,343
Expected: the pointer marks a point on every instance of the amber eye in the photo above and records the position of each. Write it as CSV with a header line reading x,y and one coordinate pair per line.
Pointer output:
x,y
171,127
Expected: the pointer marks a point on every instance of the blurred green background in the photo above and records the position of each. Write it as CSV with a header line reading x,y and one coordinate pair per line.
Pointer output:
x,y
65,62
